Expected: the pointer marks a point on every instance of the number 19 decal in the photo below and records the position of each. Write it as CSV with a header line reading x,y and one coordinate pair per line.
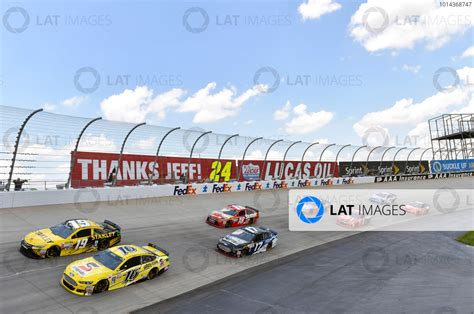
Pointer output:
x,y
81,244
218,171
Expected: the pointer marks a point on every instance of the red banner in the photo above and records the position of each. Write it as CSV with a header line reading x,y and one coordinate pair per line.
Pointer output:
x,y
92,169
95,169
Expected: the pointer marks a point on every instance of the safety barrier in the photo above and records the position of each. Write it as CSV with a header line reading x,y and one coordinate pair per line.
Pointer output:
x,y
120,194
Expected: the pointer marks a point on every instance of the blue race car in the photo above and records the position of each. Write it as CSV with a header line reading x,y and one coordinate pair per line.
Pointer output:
x,y
248,241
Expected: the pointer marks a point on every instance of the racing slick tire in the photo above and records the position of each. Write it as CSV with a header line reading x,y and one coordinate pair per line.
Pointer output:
x,y
152,273
103,244
53,251
101,286
244,252
251,221
270,246
228,224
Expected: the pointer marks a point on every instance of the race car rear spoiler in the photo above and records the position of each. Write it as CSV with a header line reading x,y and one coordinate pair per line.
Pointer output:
x,y
252,208
108,222
159,249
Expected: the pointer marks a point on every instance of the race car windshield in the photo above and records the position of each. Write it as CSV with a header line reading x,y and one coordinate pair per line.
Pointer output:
x,y
62,230
230,212
108,259
244,235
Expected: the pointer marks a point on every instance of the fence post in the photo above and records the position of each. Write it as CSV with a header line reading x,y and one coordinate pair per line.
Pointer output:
x,y
192,149
243,156
73,157
114,182
220,152
159,147
284,158
17,142
266,155
302,158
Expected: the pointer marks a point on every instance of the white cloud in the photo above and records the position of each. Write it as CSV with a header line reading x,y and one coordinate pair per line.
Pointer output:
x,y
323,141
147,143
469,52
393,25
249,122
409,117
283,113
49,106
314,9
411,68
137,105
303,122
74,101
211,107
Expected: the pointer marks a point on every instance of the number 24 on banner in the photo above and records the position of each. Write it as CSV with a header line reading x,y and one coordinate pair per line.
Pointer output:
x,y
218,171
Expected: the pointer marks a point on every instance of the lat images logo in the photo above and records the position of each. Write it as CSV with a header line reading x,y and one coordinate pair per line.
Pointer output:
x,y
310,209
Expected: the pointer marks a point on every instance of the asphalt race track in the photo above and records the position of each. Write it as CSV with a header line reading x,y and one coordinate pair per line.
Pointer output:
x,y
371,272
177,224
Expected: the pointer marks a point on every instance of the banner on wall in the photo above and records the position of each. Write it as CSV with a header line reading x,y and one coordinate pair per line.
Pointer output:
x,y
255,169
386,168
459,165
93,169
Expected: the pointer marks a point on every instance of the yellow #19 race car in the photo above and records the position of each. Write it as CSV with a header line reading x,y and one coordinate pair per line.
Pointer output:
x,y
115,268
70,237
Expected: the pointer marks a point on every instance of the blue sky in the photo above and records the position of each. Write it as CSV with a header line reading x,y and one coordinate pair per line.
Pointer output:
x,y
149,40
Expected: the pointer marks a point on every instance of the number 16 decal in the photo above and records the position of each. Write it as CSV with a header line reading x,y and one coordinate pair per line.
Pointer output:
x,y
131,275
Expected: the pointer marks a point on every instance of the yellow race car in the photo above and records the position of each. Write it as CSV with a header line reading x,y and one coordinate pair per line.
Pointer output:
x,y
115,268
73,236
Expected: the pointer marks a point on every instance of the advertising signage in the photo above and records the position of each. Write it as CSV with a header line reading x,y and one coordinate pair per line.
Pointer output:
x,y
386,168
459,165
93,169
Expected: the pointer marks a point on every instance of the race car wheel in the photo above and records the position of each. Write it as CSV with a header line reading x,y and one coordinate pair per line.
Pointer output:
x,y
53,251
101,286
251,221
152,273
228,224
245,252
270,246
103,244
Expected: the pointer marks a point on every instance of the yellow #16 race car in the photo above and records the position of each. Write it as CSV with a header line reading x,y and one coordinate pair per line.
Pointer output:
x,y
115,268
70,237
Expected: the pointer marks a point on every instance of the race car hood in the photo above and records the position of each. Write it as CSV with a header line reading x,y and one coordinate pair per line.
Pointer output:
x,y
233,240
220,215
345,217
87,269
42,237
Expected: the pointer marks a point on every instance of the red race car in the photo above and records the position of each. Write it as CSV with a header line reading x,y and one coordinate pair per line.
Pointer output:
x,y
353,221
417,208
233,216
